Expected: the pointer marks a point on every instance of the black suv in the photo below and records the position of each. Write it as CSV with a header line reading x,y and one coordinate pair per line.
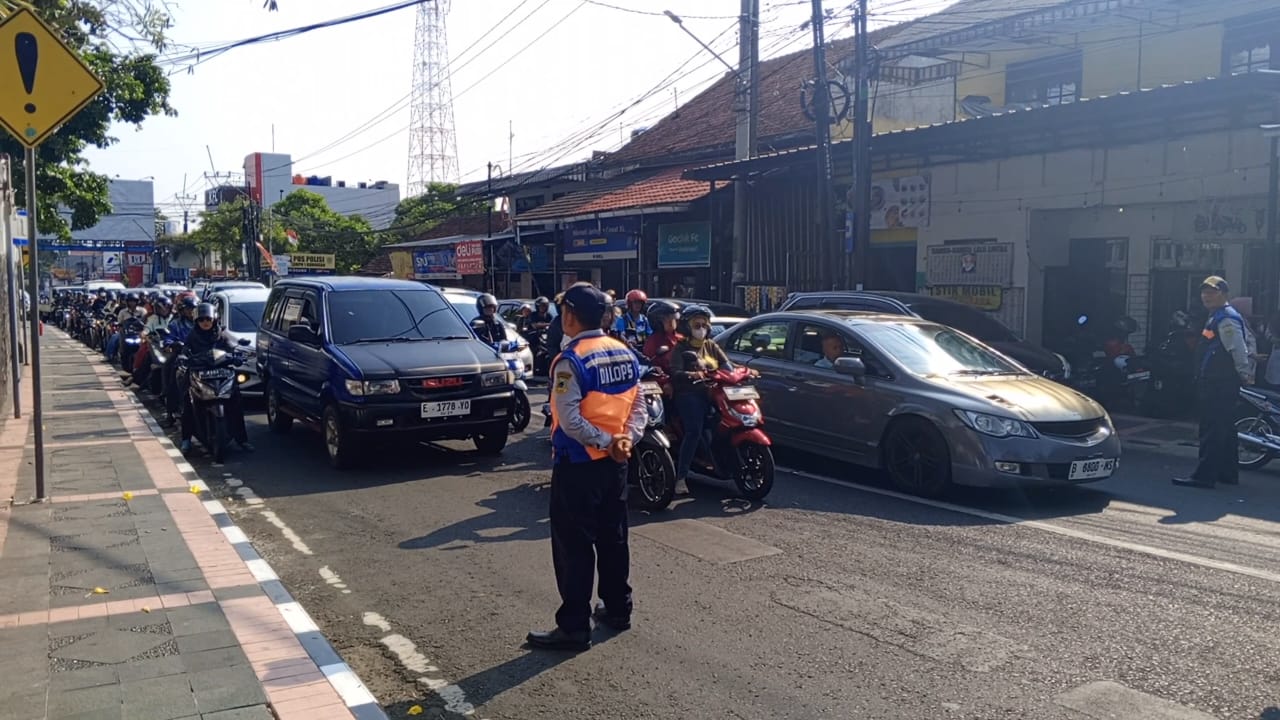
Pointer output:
x,y
968,320
366,357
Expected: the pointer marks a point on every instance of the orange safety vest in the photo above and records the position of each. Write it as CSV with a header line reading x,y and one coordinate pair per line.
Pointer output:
x,y
609,377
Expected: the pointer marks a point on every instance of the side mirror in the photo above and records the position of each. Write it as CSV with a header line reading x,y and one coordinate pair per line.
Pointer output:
x,y
244,342
1082,320
851,366
303,334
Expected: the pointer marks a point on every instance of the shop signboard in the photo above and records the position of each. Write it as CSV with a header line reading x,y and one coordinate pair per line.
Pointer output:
x,y
311,263
469,257
136,258
983,297
438,263
111,265
606,239
977,263
684,245
900,202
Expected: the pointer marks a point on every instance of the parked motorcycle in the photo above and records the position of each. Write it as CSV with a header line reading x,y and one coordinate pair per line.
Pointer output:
x,y
210,379
1258,431
733,446
1106,367
1172,369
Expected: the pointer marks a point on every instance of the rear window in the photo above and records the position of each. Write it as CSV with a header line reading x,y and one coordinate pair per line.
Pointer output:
x,y
392,315
245,316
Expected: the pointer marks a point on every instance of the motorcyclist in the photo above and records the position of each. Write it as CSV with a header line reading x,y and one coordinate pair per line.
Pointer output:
x,y
534,326
540,319
205,338
663,317
487,325
633,327
130,310
157,320
692,359
555,331
179,328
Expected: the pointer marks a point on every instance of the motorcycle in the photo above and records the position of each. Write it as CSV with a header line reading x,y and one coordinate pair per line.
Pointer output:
x,y
1172,369
1107,368
1258,431
733,446
210,379
521,412
130,341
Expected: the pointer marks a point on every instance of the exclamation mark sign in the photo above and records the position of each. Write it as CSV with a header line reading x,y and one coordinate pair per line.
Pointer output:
x,y
28,52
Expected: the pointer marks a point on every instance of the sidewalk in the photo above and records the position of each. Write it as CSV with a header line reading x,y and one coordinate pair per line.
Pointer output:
x,y
129,594
1154,432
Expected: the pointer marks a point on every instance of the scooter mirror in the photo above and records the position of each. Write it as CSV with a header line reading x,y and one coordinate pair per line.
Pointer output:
x,y
244,342
663,350
1082,319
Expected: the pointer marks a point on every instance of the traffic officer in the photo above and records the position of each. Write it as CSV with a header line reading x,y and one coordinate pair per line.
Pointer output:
x,y
597,413
1222,365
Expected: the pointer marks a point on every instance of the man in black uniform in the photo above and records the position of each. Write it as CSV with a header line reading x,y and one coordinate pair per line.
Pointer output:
x,y
1222,365
597,413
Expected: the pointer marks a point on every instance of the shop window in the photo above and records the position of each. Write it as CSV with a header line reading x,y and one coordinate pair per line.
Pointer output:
x,y
1249,43
1050,81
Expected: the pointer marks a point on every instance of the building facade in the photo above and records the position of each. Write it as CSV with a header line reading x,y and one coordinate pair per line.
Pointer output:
x,y
269,177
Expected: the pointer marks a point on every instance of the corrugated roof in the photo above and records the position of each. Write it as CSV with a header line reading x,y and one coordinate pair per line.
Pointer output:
x,y
632,191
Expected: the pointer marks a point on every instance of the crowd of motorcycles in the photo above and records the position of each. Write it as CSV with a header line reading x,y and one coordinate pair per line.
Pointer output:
x,y
203,385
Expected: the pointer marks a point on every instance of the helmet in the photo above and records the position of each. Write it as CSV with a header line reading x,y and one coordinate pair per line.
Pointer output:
x,y
111,294
206,310
188,301
485,300
163,302
132,295
637,296
659,310
691,311
526,307
542,301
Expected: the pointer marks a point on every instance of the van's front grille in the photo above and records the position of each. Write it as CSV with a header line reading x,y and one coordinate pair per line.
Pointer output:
x,y
441,386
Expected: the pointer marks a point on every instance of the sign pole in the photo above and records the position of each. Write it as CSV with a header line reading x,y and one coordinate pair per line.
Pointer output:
x,y
37,411
11,278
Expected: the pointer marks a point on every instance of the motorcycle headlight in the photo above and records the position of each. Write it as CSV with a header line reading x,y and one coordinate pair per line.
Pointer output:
x,y
363,388
996,426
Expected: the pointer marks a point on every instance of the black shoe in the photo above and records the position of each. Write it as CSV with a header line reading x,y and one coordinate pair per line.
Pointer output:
x,y
616,623
560,640
1192,482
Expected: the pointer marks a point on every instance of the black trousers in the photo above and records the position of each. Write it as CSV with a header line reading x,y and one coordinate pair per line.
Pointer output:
x,y
234,415
1216,402
589,534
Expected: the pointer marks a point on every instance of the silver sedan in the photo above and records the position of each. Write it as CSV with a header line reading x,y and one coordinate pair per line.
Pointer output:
x,y
929,404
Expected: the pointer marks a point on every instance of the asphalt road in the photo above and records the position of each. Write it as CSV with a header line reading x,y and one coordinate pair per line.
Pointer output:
x,y
1127,599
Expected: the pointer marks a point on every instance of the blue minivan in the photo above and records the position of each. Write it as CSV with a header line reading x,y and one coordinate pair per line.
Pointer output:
x,y
363,359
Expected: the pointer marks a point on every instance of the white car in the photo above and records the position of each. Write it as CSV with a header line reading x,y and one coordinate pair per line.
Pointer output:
x,y
465,302
240,313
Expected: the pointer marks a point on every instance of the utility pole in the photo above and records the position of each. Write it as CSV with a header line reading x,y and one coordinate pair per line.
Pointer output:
x,y
1272,295
862,150
747,105
13,283
822,121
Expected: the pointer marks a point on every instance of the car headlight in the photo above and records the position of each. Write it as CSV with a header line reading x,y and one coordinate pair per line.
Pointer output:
x,y
497,379
362,388
996,426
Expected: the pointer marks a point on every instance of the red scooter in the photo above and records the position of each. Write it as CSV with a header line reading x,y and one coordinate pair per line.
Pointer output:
x,y
734,447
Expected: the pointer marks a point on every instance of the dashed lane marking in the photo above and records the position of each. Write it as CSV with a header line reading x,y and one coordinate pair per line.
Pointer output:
x,y
1105,699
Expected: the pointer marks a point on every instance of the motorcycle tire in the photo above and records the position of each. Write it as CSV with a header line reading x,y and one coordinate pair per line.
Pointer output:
x,y
1249,425
219,437
521,413
754,477
648,460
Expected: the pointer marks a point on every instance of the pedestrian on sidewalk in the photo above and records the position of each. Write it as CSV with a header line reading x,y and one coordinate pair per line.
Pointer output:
x,y
597,413
1222,364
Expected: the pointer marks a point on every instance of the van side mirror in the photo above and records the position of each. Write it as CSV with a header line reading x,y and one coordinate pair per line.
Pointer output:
x,y
851,366
303,334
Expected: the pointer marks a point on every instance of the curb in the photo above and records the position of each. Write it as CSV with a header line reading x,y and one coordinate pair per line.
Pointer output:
x,y
362,704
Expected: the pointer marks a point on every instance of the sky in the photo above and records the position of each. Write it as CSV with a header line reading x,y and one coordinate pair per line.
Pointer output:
x,y
557,68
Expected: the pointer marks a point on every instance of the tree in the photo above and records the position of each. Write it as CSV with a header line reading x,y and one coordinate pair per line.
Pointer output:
x,y
118,40
418,214
222,230
162,224
321,230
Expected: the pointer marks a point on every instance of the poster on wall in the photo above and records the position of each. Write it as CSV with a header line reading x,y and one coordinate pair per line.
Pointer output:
x,y
469,257
901,202
684,245
311,263
983,263
983,297
112,265
607,239
436,264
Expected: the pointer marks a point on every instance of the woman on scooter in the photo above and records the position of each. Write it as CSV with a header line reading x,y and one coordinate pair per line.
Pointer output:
x,y
693,358
206,337
663,318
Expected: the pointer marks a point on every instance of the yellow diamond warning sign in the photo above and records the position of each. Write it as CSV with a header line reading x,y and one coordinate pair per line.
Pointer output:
x,y
43,83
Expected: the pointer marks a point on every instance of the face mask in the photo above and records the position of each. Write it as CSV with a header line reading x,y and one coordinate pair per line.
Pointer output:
x,y
700,333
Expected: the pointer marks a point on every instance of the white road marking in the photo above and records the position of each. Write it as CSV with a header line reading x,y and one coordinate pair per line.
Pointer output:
x,y
349,687
235,535
332,578
214,507
186,468
172,451
247,494
285,530
297,618
1204,562
262,572
1106,699
454,697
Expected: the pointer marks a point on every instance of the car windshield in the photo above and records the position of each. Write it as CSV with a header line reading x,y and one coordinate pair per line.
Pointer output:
x,y
969,321
927,349
392,316
245,316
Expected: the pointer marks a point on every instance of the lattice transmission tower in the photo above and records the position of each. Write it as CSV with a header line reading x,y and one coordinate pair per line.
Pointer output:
x,y
433,145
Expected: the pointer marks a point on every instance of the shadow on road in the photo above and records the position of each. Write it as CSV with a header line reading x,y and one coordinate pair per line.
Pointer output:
x,y
519,513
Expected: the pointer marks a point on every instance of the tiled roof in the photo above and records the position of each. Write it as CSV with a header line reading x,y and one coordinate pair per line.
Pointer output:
x,y
708,122
632,191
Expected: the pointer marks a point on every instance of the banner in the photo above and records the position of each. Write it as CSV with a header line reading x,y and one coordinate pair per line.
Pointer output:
x,y
900,202
981,263
469,257
684,245
436,264
611,239
985,297
311,264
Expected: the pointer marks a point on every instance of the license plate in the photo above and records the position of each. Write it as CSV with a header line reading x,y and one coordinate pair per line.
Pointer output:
x,y
1145,375
741,393
215,374
650,388
1089,469
446,408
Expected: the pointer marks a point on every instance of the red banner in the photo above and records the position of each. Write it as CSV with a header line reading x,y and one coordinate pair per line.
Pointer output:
x,y
470,257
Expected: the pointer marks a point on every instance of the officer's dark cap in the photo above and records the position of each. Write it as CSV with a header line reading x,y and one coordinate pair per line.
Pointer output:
x,y
587,302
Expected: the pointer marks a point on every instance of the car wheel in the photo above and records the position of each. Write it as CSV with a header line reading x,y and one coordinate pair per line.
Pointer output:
x,y
337,441
491,443
917,458
277,419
